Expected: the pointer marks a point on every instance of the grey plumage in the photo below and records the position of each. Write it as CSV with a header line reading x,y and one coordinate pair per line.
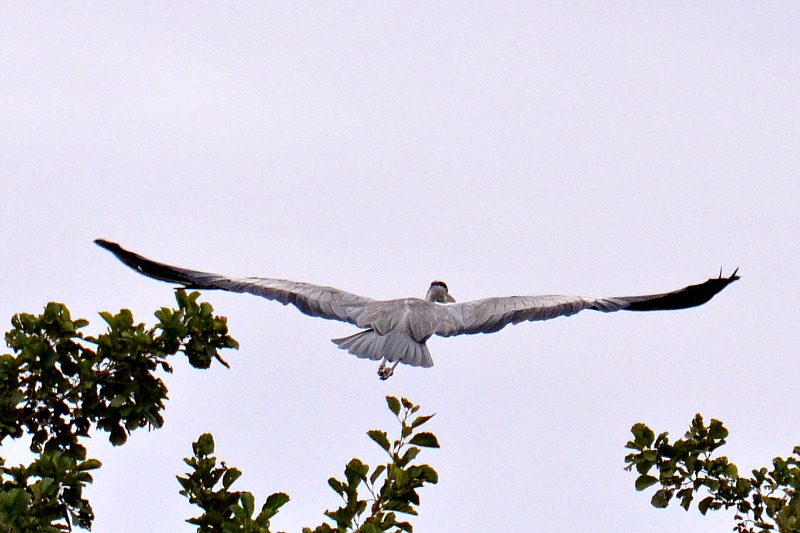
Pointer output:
x,y
395,331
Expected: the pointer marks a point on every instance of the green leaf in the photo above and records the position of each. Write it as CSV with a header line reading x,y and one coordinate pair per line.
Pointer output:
x,y
17,501
107,317
204,445
409,456
274,502
427,473
661,498
336,485
404,526
425,439
118,436
231,475
421,420
703,505
642,435
355,471
644,481
248,503
686,495
376,473
394,404
716,430
379,437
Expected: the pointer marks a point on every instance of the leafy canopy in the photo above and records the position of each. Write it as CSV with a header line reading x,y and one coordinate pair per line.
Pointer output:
x,y
60,384
768,499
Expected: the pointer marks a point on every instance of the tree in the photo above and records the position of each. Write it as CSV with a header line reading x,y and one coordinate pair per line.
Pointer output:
x,y
392,487
59,385
768,499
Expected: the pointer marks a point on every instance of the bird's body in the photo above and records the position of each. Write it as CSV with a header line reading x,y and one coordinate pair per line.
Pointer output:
x,y
395,331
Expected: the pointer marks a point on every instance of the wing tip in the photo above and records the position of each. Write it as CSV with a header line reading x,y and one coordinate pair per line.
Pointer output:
x,y
108,245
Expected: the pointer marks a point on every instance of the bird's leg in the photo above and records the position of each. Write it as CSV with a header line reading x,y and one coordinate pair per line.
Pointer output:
x,y
385,372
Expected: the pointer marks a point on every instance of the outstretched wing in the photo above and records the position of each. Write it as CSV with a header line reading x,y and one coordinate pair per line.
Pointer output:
x,y
313,300
493,314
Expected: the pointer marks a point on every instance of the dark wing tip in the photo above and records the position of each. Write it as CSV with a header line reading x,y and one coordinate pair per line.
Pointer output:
x,y
690,296
108,245
148,267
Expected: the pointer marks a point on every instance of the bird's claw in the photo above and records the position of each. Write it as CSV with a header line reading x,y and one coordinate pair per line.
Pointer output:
x,y
385,372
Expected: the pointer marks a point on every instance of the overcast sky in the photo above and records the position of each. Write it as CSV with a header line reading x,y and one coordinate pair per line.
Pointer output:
x,y
596,148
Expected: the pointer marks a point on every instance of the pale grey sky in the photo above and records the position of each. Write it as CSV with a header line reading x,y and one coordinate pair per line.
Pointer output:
x,y
598,148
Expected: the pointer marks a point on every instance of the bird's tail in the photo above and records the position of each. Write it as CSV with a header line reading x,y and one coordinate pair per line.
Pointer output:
x,y
369,344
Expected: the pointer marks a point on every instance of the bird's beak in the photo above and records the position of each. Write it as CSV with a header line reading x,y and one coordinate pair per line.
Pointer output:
x,y
449,299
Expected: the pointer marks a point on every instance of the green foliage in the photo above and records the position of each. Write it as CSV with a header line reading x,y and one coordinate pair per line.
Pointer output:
x,y
392,487
40,496
768,499
59,384
224,511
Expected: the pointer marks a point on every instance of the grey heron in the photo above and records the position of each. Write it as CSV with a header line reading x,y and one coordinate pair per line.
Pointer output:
x,y
395,331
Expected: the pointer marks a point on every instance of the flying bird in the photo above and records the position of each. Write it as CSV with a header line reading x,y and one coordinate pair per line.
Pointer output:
x,y
395,331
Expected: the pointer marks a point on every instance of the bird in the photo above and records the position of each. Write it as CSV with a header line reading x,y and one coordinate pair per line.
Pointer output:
x,y
396,331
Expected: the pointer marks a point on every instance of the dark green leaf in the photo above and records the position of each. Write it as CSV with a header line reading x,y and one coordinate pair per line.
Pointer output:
x,y
376,473
248,503
118,436
704,504
204,445
643,435
686,496
645,481
661,498
89,464
355,472
394,404
420,420
379,437
275,501
336,485
425,439
716,430
426,473
231,475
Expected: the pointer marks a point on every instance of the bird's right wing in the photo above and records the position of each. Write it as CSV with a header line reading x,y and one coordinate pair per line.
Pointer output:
x,y
313,300
493,314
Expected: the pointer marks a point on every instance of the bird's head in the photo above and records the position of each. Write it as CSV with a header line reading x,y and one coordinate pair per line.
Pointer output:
x,y
438,293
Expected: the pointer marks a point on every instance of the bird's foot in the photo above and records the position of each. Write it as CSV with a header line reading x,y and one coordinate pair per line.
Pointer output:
x,y
385,372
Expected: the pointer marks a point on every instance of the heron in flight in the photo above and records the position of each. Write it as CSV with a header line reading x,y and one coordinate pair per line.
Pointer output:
x,y
395,331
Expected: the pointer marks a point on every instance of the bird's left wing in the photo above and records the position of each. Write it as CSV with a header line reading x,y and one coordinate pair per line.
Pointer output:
x,y
313,300
493,314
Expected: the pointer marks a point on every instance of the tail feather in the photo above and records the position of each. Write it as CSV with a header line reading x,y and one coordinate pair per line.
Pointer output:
x,y
368,344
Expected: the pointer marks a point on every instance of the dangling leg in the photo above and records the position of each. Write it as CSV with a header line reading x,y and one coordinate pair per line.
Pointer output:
x,y
385,372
